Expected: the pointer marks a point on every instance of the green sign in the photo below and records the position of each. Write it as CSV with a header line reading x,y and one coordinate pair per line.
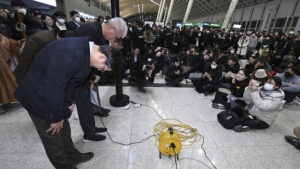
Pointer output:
x,y
5,2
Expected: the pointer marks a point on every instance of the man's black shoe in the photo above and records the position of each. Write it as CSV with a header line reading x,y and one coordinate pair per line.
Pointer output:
x,y
100,129
293,141
104,110
101,114
95,137
84,157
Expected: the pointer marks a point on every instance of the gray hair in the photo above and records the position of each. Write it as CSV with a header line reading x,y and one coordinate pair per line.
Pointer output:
x,y
119,24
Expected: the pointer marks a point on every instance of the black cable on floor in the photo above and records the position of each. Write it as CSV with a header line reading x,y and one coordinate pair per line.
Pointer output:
x,y
175,157
123,144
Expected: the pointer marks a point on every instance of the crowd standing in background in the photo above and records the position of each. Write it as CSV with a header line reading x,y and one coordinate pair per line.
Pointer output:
x,y
260,69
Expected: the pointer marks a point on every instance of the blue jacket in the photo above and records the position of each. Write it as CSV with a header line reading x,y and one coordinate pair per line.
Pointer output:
x,y
294,80
53,80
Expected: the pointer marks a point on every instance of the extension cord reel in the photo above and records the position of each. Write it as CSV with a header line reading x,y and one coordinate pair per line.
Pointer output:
x,y
169,143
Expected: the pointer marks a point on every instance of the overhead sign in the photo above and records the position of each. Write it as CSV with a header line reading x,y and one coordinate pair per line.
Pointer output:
x,y
215,25
48,2
236,26
190,24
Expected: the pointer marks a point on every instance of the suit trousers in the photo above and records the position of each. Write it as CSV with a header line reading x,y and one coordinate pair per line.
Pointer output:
x,y
59,147
85,110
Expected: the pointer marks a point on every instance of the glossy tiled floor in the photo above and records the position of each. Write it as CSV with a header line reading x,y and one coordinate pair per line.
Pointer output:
x,y
21,148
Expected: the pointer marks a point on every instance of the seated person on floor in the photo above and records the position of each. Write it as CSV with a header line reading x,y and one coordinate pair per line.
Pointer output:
x,y
200,67
138,69
230,69
174,73
276,61
295,141
209,83
249,68
157,63
265,104
290,84
237,88
260,63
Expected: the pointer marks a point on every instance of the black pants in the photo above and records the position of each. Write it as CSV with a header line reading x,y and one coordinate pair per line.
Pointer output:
x,y
173,81
289,96
221,98
85,110
204,86
252,123
59,147
255,123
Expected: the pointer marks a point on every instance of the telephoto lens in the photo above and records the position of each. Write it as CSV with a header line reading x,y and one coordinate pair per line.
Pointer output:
x,y
107,50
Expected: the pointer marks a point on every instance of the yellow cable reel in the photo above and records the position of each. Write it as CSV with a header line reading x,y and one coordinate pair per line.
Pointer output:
x,y
169,143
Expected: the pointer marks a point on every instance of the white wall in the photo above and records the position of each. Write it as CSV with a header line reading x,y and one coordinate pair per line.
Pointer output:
x,y
81,5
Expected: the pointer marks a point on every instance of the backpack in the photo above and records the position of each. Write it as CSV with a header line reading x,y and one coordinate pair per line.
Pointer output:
x,y
228,119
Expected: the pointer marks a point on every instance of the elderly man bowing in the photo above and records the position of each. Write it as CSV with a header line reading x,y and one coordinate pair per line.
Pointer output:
x,y
50,88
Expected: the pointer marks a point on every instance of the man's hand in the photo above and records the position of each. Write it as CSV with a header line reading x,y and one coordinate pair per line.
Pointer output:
x,y
72,107
291,85
209,77
144,68
177,72
55,127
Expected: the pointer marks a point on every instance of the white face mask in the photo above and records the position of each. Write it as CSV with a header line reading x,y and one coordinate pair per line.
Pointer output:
x,y
61,21
268,86
232,51
77,19
213,66
22,10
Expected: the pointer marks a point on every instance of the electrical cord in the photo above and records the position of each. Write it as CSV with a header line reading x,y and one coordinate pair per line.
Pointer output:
x,y
188,134
116,142
175,157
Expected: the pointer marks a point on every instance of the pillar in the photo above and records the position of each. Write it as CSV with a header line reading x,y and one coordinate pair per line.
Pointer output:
x,y
230,11
188,10
170,11
159,10
162,10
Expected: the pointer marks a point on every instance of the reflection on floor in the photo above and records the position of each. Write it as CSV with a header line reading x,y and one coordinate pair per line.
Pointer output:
x,y
20,146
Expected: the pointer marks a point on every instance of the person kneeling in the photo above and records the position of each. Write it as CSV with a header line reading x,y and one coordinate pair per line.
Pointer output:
x,y
264,106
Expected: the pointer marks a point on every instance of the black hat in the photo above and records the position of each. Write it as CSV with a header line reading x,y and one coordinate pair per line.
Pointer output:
x,y
18,3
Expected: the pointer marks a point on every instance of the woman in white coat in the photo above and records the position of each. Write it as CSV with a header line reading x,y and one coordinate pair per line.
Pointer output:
x,y
243,44
265,104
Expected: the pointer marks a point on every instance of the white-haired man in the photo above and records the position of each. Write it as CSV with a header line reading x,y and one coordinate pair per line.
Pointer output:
x,y
98,33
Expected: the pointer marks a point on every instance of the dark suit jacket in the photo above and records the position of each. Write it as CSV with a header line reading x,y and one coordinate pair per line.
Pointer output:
x,y
71,26
54,77
136,67
93,31
34,44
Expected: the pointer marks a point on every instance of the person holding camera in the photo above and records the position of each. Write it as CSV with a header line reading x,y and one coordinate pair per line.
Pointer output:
x,y
265,104
174,73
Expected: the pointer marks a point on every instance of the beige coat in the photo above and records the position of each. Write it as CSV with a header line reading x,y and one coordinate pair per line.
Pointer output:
x,y
264,107
8,84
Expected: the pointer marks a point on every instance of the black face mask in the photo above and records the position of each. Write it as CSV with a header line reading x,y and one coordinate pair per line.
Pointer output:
x,y
287,74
